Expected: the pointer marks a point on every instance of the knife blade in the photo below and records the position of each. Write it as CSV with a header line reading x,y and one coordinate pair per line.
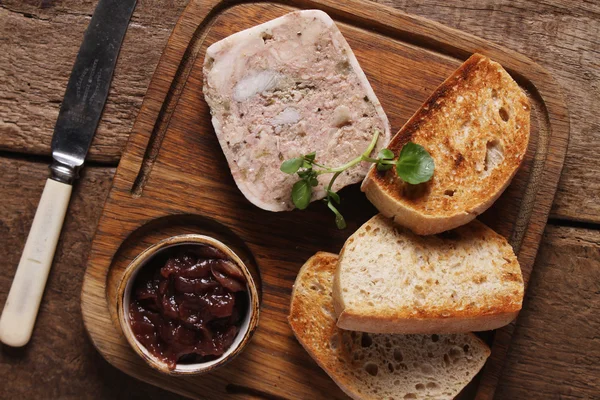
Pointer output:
x,y
88,86
80,112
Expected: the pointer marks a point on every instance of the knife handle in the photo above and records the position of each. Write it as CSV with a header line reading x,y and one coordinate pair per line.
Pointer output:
x,y
25,295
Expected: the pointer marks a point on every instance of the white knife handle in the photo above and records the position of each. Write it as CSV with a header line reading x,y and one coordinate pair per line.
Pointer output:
x,y
23,302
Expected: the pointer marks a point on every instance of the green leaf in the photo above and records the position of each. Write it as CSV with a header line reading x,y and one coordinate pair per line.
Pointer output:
x,y
340,222
301,193
384,167
334,196
385,154
309,159
292,165
314,182
310,156
307,174
414,164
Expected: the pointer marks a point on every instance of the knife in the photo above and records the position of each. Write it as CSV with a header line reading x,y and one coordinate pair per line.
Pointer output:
x,y
78,119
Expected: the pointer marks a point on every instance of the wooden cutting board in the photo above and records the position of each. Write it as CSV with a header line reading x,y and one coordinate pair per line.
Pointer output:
x,y
173,179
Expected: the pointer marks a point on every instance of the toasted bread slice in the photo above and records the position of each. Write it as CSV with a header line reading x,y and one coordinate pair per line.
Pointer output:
x,y
390,280
476,128
378,366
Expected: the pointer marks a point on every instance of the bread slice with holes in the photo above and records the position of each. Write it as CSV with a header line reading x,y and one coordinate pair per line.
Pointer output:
x,y
390,280
378,366
476,128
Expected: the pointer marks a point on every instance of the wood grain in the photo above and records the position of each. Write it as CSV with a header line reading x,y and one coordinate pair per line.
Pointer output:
x,y
37,51
555,352
40,40
173,165
551,357
60,360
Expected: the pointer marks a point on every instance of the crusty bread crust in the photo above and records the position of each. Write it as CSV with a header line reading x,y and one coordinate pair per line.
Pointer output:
x,y
320,261
476,128
314,326
375,324
446,317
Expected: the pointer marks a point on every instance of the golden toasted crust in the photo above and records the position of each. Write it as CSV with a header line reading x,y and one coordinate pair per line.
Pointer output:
x,y
476,128
486,313
311,333
312,320
376,323
321,263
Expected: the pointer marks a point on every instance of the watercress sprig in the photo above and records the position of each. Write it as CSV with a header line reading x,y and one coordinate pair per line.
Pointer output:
x,y
414,165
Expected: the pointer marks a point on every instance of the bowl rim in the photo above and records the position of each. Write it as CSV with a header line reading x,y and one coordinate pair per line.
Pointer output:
x,y
124,290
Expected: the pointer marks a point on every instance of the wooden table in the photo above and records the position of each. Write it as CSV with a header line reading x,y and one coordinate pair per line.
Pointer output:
x,y
556,349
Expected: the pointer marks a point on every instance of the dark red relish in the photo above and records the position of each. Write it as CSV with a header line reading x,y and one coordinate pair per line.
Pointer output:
x,y
187,304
